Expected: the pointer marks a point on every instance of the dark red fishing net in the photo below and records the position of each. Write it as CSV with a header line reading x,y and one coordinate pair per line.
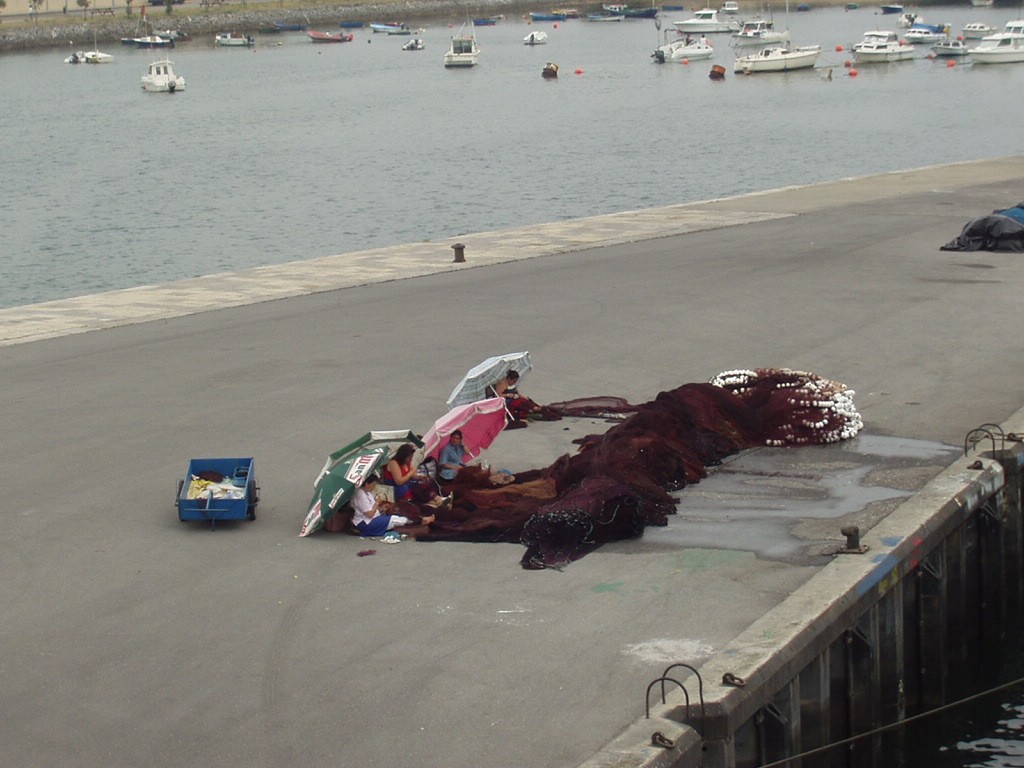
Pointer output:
x,y
620,481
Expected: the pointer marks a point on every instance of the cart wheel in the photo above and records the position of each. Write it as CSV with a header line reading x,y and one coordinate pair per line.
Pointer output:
x,y
177,499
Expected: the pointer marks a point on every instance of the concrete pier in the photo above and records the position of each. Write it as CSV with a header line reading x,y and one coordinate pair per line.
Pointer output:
x,y
130,638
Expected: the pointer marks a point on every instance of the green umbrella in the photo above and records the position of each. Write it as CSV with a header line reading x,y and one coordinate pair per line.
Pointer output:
x,y
346,469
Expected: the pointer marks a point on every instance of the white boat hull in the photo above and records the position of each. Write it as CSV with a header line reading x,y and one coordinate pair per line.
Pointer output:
x,y
161,79
1006,48
679,51
704,27
778,59
883,55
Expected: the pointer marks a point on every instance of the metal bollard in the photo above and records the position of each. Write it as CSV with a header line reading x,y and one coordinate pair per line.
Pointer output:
x,y
460,253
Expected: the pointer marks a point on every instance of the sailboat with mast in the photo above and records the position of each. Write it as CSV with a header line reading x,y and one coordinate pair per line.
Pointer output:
x,y
781,57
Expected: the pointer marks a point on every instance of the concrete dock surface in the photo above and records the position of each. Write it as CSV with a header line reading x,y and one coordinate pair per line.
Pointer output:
x,y
130,638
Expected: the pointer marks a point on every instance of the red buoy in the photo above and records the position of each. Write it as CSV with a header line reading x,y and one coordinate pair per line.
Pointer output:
x,y
839,49
854,73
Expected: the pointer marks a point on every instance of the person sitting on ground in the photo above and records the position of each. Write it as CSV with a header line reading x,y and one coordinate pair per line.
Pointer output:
x,y
519,406
371,513
453,457
400,474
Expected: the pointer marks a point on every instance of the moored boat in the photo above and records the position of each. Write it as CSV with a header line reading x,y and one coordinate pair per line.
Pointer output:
x,y
882,45
684,50
550,71
463,50
536,37
730,8
758,32
707,20
330,37
926,34
89,57
416,44
1002,48
234,39
387,27
778,58
160,78
950,48
977,30
548,17
891,9
152,41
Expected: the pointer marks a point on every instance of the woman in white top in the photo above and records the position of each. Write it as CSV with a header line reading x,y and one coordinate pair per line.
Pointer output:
x,y
369,516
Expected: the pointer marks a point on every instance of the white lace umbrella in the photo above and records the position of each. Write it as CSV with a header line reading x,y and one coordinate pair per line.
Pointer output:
x,y
474,384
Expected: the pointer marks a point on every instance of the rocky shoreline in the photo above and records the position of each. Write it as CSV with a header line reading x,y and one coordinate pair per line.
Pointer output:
x,y
251,18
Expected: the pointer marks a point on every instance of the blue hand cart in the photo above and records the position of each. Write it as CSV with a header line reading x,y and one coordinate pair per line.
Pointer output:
x,y
237,481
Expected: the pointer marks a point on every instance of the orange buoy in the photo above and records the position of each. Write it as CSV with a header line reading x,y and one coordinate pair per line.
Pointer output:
x,y
686,61
950,64
839,49
854,73
579,71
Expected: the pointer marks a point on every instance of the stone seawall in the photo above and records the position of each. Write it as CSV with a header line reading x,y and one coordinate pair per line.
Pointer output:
x,y
240,18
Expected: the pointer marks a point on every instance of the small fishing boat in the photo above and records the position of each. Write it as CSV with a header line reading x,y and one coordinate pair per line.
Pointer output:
x,y
152,41
605,17
89,57
976,30
330,37
758,32
707,20
686,50
548,16
879,45
234,39
387,26
537,37
160,78
463,50
416,44
926,34
950,47
892,9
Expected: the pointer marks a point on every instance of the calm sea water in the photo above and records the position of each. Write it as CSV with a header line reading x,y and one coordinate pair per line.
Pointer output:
x,y
293,150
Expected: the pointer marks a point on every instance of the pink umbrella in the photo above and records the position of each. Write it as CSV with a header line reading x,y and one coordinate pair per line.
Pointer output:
x,y
480,423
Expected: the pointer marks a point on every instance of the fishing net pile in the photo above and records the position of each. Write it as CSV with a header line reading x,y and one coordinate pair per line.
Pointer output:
x,y
620,482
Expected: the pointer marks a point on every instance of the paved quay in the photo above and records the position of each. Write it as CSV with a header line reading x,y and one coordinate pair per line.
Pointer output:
x,y
132,639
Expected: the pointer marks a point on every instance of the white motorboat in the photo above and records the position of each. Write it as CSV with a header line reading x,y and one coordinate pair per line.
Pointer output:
x,y
778,58
537,37
881,45
730,8
1003,48
463,51
89,57
684,50
951,47
1014,27
976,30
160,78
927,34
234,39
707,20
416,44
758,32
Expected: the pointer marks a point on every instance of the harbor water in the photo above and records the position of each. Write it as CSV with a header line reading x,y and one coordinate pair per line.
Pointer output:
x,y
291,150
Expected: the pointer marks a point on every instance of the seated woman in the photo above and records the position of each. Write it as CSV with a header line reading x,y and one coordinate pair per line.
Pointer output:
x,y
400,474
519,406
370,515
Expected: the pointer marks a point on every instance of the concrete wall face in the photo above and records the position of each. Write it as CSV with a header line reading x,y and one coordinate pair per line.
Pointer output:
x,y
929,631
